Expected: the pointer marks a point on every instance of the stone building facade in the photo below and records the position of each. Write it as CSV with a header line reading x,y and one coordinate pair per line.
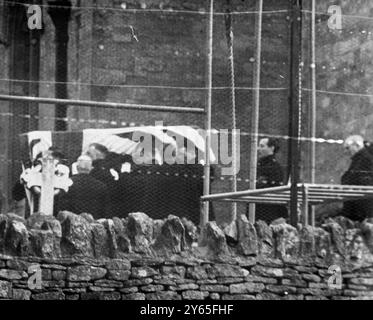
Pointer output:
x,y
155,52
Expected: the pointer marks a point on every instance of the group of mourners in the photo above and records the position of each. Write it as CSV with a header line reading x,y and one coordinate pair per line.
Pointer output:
x,y
90,185
359,173
86,187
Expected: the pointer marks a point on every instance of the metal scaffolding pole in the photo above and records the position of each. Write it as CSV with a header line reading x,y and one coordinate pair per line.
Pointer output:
x,y
313,102
208,115
295,105
109,105
256,103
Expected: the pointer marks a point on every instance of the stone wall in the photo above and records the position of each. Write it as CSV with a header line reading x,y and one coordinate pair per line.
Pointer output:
x,y
139,258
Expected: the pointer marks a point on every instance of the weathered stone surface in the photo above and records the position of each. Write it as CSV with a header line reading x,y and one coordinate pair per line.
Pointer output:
x,y
136,296
140,232
286,240
193,295
367,231
214,240
44,222
12,274
344,222
129,290
172,236
100,296
5,289
108,283
76,235
118,264
238,297
119,274
197,273
100,242
246,288
226,271
337,236
20,294
191,234
363,281
165,295
267,272
184,287
322,242
214,288
152,288
85,273
307,241
58,275
46,274
16,237
281,289
122,240
173,272
247,237
88,217
251,278
112,245
49,296
311,277
146,261
143,272
100,289
294,282
265,238
138,282
43,244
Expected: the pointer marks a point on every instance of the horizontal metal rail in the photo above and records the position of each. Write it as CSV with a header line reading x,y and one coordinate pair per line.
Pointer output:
x,y
102,104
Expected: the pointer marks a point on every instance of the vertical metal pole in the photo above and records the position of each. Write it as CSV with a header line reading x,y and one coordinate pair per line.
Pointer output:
x,y
206,182
295,105
256,102
34,67
230,39
59,11
313,102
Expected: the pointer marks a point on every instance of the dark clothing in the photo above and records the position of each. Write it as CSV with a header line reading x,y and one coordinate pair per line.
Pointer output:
x,y
269,175
359,173
88,195
108,171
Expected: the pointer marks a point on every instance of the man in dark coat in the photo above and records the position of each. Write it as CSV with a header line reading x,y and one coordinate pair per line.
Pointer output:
x,y
360,172
86,194
269,174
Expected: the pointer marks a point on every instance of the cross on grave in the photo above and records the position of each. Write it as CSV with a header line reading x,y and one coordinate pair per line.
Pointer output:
x,y
47,186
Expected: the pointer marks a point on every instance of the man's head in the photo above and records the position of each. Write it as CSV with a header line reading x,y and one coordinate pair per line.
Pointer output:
x,y
97,151
353,144
267,147
84,164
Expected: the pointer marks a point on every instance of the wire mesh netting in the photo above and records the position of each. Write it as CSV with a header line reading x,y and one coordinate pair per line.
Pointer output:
x,y
136,54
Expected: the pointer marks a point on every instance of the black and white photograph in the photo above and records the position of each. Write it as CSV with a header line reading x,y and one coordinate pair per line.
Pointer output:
x,y
183,156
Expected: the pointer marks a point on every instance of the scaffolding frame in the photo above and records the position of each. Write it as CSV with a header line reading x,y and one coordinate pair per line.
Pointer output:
x,y
295,103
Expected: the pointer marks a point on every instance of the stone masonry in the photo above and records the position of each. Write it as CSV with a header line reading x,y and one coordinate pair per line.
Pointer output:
x,y
140,258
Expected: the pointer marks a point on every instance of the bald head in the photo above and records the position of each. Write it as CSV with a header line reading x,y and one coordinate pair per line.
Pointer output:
x,y
353,144
84,164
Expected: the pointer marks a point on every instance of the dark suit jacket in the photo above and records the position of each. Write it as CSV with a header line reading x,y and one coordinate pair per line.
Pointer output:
x,y
269,174
359,173
88,195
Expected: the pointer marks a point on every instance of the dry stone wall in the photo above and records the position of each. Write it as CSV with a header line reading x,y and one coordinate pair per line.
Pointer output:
x,y
140,258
